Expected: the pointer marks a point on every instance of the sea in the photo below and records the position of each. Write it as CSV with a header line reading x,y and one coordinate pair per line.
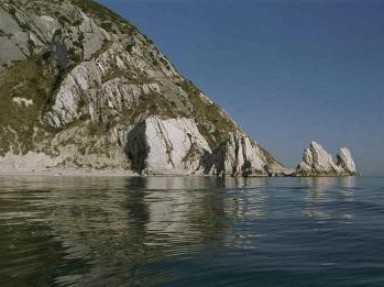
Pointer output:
x,y
191,231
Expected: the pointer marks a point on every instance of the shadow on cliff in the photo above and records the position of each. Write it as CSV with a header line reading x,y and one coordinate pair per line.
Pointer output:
x,y
136,148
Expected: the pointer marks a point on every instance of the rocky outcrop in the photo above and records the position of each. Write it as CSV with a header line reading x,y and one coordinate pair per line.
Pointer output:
x,y
318,162
13,40
241,156
161,147
101,88
175,146
346,162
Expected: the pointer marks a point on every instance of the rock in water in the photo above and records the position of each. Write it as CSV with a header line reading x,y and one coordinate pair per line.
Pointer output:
x,y
83,88
346,162
318,162
240,156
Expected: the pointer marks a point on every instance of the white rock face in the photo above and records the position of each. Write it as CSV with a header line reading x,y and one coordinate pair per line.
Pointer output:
x,y
71,149
46,25
87,91
30,161
240,156
345,161
176,147
23,101
15,40
161,147
9,47
94,36
318,162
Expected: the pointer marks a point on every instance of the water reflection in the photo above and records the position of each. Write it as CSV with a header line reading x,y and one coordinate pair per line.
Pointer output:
x,y
323,192
111,227
347,187
102,231
347,182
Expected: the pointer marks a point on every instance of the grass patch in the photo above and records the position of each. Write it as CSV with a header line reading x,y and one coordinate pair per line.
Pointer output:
x,y
211,123
24,80
109,19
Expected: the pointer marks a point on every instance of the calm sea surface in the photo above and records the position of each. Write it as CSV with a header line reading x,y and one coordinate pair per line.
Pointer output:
x,y
191,231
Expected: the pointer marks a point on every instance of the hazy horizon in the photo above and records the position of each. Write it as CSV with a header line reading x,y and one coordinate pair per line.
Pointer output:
x,y
288,72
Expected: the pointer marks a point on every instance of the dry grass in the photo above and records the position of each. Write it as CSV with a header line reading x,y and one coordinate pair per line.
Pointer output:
x,y
24,79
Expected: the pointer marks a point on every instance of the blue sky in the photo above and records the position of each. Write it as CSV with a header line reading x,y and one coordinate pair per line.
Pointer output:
x,y
288,71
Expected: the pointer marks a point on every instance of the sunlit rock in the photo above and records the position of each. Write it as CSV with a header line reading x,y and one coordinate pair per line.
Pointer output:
x,y
346,162
172,146
241,156
318,162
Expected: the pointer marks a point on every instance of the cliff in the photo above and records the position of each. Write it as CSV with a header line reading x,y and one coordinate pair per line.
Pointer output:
x,y
82,88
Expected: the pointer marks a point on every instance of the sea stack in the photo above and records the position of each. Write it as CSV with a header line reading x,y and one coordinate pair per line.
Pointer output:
x,y
318,162
346,162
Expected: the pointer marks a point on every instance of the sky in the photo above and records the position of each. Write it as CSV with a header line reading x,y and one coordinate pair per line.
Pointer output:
x,y
288,71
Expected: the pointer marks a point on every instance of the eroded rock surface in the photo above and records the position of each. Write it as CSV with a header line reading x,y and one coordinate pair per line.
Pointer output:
x,y
171,146
175,146
241,156
318,162
346,162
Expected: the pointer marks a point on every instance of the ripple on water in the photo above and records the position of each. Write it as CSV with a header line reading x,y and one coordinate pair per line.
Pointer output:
x,y
193,231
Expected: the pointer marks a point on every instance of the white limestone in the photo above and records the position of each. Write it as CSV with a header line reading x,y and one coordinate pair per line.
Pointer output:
x,y
23,101
10,49
94,36
345,161
241,156
318,162
46,24
171,146
80,84
31,161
